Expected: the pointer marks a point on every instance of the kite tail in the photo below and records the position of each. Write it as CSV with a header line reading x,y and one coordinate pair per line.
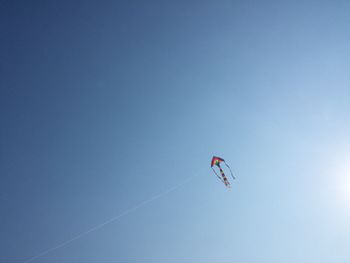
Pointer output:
x,y
224,178
222,172
230,170
217,175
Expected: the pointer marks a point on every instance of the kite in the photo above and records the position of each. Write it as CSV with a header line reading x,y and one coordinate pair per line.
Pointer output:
x,y
216,161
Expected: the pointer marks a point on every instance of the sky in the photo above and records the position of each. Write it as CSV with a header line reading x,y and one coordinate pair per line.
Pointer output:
x,y
105,104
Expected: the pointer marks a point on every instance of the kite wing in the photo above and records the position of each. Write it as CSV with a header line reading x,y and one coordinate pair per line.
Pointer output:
x,y
216,161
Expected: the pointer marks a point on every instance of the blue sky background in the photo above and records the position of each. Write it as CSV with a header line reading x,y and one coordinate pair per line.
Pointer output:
x,y
104,104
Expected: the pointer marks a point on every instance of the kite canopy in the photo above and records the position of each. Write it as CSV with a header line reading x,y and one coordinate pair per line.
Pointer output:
x,y
216,161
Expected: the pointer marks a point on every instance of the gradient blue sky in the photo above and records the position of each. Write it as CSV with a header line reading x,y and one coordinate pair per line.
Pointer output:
x,y
104,104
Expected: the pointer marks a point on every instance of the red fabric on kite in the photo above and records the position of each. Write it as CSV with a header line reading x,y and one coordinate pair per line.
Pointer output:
x,y
216,161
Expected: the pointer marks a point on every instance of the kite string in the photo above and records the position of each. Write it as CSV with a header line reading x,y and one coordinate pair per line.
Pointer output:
x,y
233,176
101,225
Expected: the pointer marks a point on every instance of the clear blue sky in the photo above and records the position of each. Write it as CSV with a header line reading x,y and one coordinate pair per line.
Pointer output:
x,y
104,104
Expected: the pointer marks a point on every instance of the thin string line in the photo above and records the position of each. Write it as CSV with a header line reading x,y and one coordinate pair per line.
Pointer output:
x,y
109,221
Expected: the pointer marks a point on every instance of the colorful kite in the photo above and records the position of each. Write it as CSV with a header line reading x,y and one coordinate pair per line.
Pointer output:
x,y
216,161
